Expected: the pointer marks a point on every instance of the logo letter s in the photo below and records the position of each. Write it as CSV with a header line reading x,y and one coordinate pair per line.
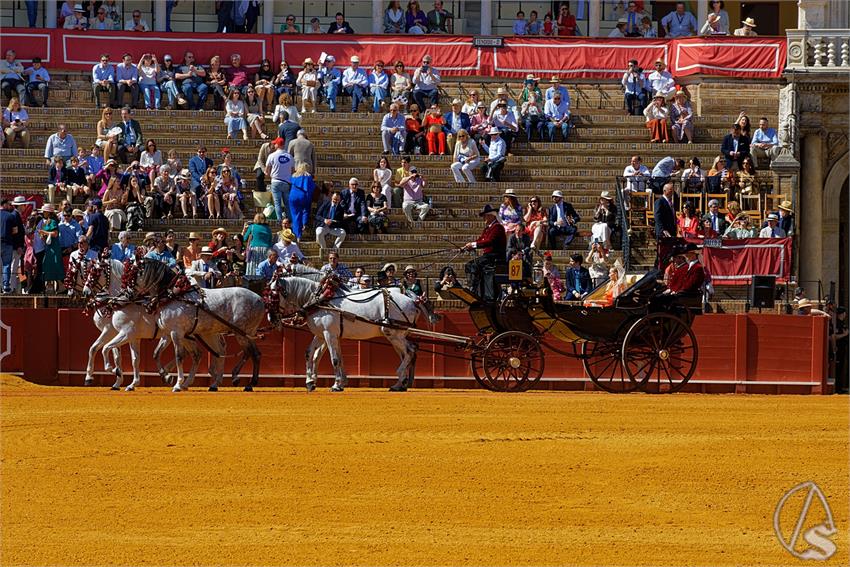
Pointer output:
x,y
822,548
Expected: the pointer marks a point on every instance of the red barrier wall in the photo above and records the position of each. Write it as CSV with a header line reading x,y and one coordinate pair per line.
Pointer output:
x,y
760,57
738,353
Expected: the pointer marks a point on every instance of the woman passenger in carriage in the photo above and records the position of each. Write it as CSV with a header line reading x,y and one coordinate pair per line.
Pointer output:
x,y
616,286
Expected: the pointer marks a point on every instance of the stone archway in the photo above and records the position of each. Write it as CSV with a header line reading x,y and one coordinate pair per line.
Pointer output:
x,y
834,262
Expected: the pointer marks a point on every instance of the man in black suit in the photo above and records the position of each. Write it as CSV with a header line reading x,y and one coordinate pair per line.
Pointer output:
x,y
577,279
735,147
288,130
665,215
130,140
716,218
563,220
354,204
330,219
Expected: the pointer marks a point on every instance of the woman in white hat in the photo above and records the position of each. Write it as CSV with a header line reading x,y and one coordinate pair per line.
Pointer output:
x,y
604,219
748,29
510,212
308,80
682,117
656,114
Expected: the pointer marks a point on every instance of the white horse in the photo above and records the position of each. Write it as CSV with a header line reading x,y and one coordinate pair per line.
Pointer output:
x,y
205,315
360,314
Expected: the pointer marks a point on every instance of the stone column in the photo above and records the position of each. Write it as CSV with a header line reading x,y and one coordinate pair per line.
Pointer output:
x,y
377,16
811,14
159,15
50,14
810,213
486,17
268,16
594,16
702,13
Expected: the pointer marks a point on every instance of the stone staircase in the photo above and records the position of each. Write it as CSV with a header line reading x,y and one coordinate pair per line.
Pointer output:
x,y
348,145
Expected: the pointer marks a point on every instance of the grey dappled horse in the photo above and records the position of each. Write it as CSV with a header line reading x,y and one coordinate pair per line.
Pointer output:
x,y
373,307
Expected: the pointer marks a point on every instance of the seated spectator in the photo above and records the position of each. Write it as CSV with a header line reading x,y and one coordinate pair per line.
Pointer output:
x,y
229,191
557,114
83,253
75,180
393,133
733,209
636,175
329,79
315,26
413,186
285,104
266,269
465,158
193,79
77,20
94,163
290,26
103,80
520,24
682,118
217,82
15,124
663,172
536,222
533,117
604,219
518,247
660,81
173,161
379,86
414,132
426,83
12,76
563,220
765,144
123,249
57,177
339,25
440,21
718,222
150,160
165,193
389,279
656,115
237,75
679,23
38,79
714,176
235,114
308,80
263,83
747,182
494,162
336,267
693,178
530,88
557,87
287,247
114,201
378,207
510,211
186,194
403,170
355,83
534,26
772,230
137,23
415,20
394,18
597,260
748,29
60,144
479,123
204,270
149,69
577,279
447,278
470,107
505,122
168,83
284,82
104,175
356,214
712,26
127,80
647,30
255,113
456,120
435,136
383,176
502,97
687,223
210,193
330,221
735,147
101,22
740,228
130,140
619,29
400,85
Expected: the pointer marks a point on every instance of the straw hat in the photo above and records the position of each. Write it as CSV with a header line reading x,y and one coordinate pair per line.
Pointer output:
x,y
308,61
494,131
772,217
287,235
501,90
606,195
206,250
456,101
557,193
355,59
531,77
77,213
622,21
481,104
219,230
194,236
784,205
78,8
19,201
509,193
48,208
151,236
389,265
409,269
804,302
749,22
555,79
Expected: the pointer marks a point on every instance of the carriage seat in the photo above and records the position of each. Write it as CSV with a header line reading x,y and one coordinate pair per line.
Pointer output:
x,y
599,293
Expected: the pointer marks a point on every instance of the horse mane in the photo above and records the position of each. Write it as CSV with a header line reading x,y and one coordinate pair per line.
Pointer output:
x,y
299,290
154,277
117,271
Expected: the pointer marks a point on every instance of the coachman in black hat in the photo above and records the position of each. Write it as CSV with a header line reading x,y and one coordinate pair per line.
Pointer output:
x,y
491,244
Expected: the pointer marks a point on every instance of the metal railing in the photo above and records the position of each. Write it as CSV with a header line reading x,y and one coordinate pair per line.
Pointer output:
x,y
625,228
825,50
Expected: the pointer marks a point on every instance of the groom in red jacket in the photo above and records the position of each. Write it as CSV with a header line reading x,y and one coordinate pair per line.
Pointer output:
x,y
492,244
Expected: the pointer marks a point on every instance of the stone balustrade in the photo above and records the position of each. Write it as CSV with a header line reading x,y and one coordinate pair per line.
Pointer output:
x,y
819,50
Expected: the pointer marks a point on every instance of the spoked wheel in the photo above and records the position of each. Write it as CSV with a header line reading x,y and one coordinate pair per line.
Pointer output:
x,y
604,364
660,353
512,362
476,359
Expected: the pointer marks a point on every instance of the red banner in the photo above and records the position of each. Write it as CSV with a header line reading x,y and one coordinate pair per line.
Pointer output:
x,y
735,262
577,58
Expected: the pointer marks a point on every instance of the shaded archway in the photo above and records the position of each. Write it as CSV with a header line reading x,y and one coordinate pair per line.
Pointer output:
x,y
835,232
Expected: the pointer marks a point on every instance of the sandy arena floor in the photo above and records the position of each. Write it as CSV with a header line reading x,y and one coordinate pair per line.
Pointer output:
x,y
93,477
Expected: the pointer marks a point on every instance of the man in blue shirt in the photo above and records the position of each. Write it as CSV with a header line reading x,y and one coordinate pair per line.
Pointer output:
x,y
679,23
331,81
123,250
69,231
38,79
60,144
663,171
266,268
103,79
765,144
158,250
127,78
392,130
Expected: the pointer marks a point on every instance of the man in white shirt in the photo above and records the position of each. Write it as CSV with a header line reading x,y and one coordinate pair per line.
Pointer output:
x,y
680,22
636,175
11,77
83,254
772,230
426,82
78,20
203,270
557,117
502,97
279,172
136,23
495,160
662,81
505,122
355,83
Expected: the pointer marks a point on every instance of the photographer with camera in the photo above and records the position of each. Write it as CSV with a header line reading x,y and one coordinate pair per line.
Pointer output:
x,y
636,88
426,83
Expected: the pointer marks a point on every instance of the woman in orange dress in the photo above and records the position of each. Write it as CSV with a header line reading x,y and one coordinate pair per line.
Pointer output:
x,y
435,135
535,222
687,222
613,289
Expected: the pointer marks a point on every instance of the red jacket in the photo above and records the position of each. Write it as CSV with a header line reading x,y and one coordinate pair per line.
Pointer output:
x,y
492,240
687,278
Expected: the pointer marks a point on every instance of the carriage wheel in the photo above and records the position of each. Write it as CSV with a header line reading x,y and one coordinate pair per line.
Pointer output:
x,y
603,364
512,362
476,360
660,352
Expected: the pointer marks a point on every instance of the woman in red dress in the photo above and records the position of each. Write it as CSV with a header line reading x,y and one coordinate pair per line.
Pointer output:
x,y
535,222
687,222
566,22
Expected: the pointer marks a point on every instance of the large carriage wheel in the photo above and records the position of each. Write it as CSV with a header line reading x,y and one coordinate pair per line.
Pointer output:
x,y
603,363
476,360
512,362
660,352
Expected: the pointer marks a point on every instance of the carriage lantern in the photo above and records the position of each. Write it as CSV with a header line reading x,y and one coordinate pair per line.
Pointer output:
x,y
537,273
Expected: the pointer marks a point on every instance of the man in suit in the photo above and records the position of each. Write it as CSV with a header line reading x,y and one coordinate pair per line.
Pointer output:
x,y
563,220
493,245
577,278
288,130
689,277
665,215
715,217
203,270
130,140
198,166
356,214
330,220
735,147
455,121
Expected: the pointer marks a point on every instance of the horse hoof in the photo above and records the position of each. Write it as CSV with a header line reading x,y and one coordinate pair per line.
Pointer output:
x,y
115,388
176,389
130,388
89,382
235,381
213,388
397,388
311,386
336,388
248,388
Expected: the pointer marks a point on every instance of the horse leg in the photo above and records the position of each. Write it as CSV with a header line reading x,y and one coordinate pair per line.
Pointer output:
x,y
217,367
195,352
403,347
255,365
411,368
134,358
340,380
120,339
106,334
157,355
314,354
177,341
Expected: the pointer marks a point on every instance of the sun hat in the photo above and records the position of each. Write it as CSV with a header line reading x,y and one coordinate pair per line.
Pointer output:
x,y
456,101
206,250
166,57
308,61
481,104
219,230
531,77
557,193
622,21
606,195
487,210
804,302
19,200
749,22
78,8
48,208
509,193
555,79
494,131
772,217
658,94
784,205
355,59
389,265
501,90
194,236
151,236
409,269
287,235
77,213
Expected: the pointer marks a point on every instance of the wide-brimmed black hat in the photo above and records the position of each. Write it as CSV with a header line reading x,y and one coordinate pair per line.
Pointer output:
x,y
487,210
691,247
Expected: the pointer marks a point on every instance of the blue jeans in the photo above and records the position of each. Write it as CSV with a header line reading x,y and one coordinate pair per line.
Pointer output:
x,y
169,87
200,88
432,97
169,5
157,95
379,94
280,195
6,251
565,130
356,93
635,103
330,93
32,11
534,124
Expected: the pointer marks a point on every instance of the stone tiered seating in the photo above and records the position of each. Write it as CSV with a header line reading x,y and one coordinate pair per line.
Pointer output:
x,y
349,145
